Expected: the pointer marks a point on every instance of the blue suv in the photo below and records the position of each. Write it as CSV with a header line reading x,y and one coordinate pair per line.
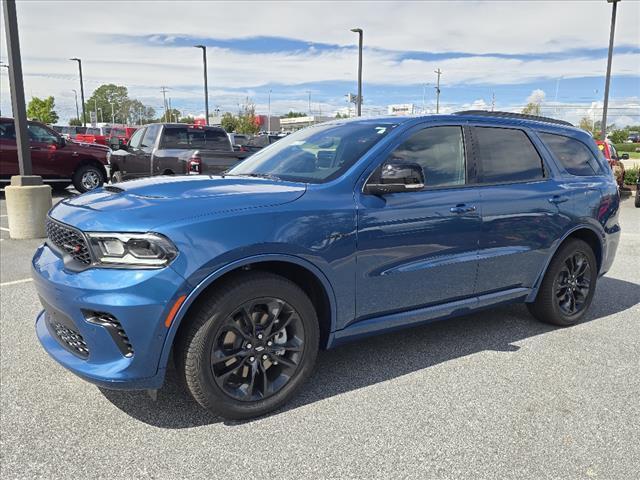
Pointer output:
x,y
339,231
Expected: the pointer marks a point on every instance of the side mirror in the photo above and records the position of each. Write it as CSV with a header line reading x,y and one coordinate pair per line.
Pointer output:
x,y
625,156
395,177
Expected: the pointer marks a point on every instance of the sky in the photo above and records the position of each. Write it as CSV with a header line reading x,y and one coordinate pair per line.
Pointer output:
x,y
490,52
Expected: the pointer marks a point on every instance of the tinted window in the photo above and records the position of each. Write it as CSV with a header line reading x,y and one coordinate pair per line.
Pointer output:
x,y
190,137
572,154
41,134
150,136
440,153
136,138
7,131
507,155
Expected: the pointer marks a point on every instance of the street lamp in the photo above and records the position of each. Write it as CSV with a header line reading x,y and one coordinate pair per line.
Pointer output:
x,y
75,93
359,104
608,78
113,117
101,116
84,115
206,89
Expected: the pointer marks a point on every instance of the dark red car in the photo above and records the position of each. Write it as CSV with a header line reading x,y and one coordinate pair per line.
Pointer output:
x,y
610,153
58,161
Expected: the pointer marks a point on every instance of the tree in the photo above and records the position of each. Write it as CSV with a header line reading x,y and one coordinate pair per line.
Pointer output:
x,y
229,122
188,119
106,97
532,109
293,114
42,110
619,136
171,115
75,122
586,124
341,115
247,121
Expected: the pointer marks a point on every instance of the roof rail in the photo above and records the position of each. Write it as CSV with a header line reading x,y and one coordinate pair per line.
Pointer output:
x,y
486,113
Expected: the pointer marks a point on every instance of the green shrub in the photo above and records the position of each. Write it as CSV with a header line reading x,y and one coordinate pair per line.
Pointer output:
x,y
631,175
626,147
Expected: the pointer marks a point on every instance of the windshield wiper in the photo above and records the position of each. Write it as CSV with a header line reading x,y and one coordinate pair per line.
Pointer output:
x,y
254,175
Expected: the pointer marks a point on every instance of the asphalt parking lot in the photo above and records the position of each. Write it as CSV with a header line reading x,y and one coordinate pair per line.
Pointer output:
x,y
491,395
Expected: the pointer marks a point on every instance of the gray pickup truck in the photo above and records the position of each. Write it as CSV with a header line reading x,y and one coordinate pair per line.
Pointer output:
x,y
174,149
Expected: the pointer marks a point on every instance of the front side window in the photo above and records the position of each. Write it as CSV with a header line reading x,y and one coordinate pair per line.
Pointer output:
x,y
572,154
40,134
507,156
7,131
315,154
136,138
440,153
149,138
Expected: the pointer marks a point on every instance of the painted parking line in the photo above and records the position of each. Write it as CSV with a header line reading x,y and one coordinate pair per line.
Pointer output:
x,y
4,229
16,282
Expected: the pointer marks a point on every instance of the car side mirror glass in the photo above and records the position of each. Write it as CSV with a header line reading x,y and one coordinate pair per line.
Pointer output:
x,y
395,177
625,156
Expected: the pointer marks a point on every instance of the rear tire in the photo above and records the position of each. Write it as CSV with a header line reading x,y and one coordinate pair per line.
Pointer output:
x,y
248,346
87,178
568,286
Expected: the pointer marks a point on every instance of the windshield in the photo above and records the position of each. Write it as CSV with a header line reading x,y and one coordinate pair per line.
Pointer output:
x,y
315,154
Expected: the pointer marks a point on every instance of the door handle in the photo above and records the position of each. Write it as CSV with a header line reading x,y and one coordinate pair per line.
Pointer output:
x,y
558,199
462,208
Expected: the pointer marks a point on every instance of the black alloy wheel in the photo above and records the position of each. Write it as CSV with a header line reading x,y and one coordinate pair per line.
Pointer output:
x,y
573,283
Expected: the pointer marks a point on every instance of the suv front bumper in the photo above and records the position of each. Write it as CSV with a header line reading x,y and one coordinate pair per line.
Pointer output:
x,y
139,301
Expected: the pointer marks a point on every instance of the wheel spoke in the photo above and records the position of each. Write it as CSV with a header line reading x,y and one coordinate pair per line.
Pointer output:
x,y
285,361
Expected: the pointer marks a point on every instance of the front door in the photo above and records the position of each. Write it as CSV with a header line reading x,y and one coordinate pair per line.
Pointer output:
x,y
420,248
132,163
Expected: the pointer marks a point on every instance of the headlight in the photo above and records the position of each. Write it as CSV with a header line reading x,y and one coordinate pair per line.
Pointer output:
x,y
147,250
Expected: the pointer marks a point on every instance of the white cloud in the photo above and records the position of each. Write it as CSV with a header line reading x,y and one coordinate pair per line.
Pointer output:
x,y
537,96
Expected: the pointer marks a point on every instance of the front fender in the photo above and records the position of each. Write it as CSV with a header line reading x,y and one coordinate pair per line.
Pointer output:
x,y
213,276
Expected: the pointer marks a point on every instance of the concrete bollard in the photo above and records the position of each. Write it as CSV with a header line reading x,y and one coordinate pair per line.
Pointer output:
x,y
28,202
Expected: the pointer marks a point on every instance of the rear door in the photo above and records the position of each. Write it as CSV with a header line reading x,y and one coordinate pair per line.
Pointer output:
x,y
524,209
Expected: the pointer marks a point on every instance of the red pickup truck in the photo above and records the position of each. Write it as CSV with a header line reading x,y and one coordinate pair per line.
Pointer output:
x,y
58,161
94,135
120,136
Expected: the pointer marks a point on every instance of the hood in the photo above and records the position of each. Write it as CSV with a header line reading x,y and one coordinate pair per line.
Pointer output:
x,y
141,205
90,147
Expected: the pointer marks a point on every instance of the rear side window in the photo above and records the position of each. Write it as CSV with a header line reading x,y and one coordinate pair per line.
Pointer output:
x,y
572,154
194,137
507,156
150,136
7,131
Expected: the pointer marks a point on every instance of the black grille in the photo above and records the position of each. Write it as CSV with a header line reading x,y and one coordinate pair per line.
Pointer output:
x,y
69,240
72,339
114,328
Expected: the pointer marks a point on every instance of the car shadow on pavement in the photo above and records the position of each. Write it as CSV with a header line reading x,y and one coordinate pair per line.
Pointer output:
x,y
384,357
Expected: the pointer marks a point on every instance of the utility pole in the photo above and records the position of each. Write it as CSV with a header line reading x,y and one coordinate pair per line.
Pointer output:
x,y
360,34
170,111
77,111
95,108
140,116
164,101
84,115
206,87
493,101
439,72
608,78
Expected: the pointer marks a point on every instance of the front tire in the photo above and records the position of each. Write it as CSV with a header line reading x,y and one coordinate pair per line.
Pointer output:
x,y
568,286
87,178
117,177
248,346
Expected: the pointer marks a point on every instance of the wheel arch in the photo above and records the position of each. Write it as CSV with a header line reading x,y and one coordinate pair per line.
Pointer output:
x,y
91,161
302,272
586,233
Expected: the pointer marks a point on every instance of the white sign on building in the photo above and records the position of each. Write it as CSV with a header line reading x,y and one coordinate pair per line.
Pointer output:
x,y
401,109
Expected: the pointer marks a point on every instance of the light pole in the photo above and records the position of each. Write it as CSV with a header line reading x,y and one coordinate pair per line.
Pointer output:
x,y
101,116
438,72
84,115
206,88
359,104
75,92
113,116
608,78
95,108
269,113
